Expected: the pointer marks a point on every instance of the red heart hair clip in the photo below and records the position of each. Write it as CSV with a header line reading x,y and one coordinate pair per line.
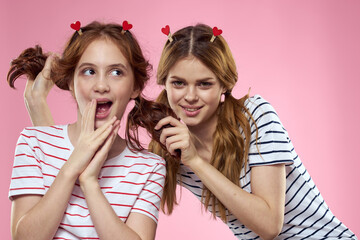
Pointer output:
x,y
166,30
126,26
76,26
216,32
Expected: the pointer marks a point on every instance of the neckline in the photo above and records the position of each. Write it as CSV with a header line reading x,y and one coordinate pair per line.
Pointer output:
x,y
71,146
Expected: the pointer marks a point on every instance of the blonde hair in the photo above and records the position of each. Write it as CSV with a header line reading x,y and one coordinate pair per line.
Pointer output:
x,y
216,55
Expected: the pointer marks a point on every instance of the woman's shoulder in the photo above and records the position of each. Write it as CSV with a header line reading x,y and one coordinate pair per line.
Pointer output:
x,y
259,107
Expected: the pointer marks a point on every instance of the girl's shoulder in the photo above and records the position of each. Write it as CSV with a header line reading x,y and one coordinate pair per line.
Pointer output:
x,y
44,134
48,132
144,155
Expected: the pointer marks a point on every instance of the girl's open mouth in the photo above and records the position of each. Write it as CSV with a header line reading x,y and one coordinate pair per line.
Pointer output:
x,y
103,109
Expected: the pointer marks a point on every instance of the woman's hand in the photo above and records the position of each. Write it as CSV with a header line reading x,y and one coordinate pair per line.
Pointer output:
x,y
178,137
40,87
35,94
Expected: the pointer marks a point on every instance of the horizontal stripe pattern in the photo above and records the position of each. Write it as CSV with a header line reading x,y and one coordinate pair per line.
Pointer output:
x,y
306,214
131,182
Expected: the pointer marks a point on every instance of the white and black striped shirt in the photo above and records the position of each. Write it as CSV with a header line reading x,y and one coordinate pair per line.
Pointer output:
x,y
306,214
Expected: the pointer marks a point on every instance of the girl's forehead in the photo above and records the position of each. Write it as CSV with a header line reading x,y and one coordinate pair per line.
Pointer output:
x,y
103,51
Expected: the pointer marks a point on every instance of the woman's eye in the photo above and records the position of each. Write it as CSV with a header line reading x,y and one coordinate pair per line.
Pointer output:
x,y
88,72
116,72
178,83
205,84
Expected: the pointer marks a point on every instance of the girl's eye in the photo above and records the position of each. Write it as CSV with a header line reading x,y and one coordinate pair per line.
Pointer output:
x,y
88,72
116,72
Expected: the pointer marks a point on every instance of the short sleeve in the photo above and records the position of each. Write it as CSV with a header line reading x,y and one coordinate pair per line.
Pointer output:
x,y
148,201
27,177
270,144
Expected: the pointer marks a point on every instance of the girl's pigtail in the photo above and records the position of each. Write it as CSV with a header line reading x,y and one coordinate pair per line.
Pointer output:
x,y
147,114
30,63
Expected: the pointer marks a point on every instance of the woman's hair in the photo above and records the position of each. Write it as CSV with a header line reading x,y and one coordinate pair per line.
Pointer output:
x,y
144,114
232,113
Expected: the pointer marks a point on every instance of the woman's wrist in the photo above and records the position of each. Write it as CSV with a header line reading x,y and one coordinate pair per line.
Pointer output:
x,y
35,100
196,164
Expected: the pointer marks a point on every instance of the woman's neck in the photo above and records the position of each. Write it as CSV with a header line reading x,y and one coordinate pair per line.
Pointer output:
x,y
203,137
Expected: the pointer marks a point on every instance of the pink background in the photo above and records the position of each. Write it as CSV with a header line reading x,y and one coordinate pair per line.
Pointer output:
x,y
302,56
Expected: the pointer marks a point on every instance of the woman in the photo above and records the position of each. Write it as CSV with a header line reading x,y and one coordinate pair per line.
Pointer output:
x,y
236,156
81,181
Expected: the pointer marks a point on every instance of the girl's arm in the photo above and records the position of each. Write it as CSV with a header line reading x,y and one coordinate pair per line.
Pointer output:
x,y
262,211
106,222
38,217
35,94
108,225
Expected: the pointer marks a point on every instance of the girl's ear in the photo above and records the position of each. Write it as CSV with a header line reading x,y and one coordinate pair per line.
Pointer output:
x,y
135,94
71,88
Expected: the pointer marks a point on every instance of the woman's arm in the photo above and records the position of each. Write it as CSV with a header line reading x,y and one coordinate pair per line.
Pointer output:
x,y
35,94
262,211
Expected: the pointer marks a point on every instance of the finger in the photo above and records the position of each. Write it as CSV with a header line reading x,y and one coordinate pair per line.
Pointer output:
x,y
176,139
110,123
168,132
167,120
175,148
85,122
29,85
101,155
98,138
47,67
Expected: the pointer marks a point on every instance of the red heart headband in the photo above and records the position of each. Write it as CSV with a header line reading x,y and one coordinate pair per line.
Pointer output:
x,y
216,32
166,30
126,26
76,26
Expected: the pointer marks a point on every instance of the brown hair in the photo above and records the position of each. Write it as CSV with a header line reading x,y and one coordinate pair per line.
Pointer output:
x,y
232,113
144,114
31,61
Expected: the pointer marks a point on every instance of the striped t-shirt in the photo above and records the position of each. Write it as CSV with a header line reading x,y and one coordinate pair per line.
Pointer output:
x,y
306,214
131,182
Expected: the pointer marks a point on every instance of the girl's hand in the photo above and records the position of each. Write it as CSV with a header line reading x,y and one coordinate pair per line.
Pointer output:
x,y
177,137
90,140
92,171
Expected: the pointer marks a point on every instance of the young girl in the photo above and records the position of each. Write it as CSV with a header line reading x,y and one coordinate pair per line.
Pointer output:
x,y
81,181
236,156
